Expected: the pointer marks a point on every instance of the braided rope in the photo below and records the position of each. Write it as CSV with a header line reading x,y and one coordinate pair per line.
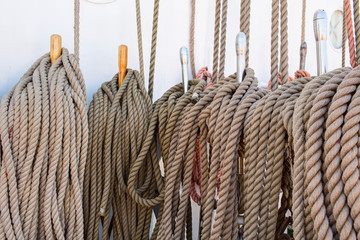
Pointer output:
x,y
303,21
284,43
192,38
357,29
274,43
343,43
39,198
245,26
350,32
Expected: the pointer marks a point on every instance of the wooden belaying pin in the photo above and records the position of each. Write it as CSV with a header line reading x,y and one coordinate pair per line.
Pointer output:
x,y
184,59
303,51
55,47
123,57
240,45
320,31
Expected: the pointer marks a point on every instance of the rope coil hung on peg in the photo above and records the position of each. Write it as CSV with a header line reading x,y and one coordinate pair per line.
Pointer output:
x,y
44,138
122,184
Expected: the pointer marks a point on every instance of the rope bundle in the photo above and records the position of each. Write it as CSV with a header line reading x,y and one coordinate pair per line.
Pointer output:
x,y
119,121
44,137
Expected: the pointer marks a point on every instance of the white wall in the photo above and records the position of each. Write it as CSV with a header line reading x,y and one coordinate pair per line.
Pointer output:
x,y
26,26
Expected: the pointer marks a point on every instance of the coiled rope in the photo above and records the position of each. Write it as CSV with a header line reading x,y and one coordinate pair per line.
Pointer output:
x,y
119,120
44,139
44,142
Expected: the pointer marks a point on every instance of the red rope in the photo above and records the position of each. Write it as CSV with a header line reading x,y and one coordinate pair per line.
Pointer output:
x,y
350,32
196,173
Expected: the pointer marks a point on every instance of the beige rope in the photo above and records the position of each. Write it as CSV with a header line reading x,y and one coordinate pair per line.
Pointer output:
x,y
245,26
41,190
303,21
357,29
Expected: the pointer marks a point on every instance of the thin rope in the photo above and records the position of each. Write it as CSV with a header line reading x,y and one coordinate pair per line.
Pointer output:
x,y
274,43
284,43
245,26
77,29
215,72
140,45
357,29
344,37
192,38
350,32
303,21
223,39
153,47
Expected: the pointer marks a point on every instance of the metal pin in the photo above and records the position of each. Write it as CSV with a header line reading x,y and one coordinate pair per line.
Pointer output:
x,y
240,46
320,31
303,50
184,56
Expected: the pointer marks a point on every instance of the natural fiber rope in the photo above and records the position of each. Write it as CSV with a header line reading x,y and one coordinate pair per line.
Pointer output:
x,y
303,21
274,44
350,32
284,43
344,37
245,26
192,38
357,29
119,122
41,190
77,29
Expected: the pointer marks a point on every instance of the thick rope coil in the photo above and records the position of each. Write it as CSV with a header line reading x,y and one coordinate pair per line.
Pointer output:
x,y
44,141
114,150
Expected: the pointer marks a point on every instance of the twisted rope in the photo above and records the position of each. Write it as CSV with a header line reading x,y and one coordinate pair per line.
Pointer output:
x,y
41,190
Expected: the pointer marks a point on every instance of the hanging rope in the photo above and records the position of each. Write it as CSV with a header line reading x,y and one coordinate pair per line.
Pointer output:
x,y
245,26
119,121
357,29
44,141
343,43
350,32
192,38
303,21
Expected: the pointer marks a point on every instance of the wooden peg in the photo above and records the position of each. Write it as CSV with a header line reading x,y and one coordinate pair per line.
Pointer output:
x,y
55,47
123,52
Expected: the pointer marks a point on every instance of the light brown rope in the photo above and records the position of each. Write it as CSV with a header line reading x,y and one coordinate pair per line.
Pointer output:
x,y
245,26
41,190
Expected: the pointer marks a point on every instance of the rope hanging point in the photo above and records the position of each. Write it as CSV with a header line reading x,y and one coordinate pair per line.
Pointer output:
x,y
240,46
122,61
55,47
184,60
320,32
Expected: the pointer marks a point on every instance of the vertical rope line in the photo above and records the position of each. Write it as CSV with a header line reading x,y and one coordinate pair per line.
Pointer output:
x,y
140,47
223,40
274,43
192,38
284,43
216,40
76,28
245,25
357,29
153,47
350,32
303,22
343,45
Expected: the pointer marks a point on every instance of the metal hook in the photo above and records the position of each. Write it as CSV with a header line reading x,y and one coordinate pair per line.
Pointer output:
x,y
184,59
320,31
303,51
240,46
